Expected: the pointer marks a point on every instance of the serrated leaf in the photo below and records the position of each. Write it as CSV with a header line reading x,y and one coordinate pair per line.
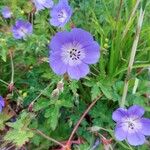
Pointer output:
x,y
52,114
74,86
3,119
95,91
41,104
19,133
107,91
18,136
65,103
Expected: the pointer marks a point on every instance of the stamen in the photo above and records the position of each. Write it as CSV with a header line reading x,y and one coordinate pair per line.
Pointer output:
x,y
72,53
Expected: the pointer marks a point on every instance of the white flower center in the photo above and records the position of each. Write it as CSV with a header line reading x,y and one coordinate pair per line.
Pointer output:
x,y
62,16
72,53
131,124
22,31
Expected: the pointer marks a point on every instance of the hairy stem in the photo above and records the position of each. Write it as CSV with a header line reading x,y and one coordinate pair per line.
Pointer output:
x,y
132,56
48,138
82,117
12,68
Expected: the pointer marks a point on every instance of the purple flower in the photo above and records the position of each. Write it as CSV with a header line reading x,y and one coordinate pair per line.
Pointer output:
x,y
6,12
22,29
60,14
42,4
2,103
131,125
71,52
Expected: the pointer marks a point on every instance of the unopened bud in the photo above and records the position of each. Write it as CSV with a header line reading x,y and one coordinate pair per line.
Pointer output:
x,y
20,91
30,107
94,128
11,87
72,25
106,45
106,40
24,94
60,86
55,93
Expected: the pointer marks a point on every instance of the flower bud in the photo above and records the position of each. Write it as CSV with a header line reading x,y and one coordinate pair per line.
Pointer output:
x,y
60,86
24,94
11,87
55,93
106,45
106,40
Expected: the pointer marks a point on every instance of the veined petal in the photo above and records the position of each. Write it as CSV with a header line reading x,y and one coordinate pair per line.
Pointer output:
x,y
136,138
58,40
120,134
145,126
81,36
57,64
79,71
92,53
2,103
119,114
136,111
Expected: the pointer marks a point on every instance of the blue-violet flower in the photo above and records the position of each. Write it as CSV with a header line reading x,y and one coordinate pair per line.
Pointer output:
x,y
42,4
60,14
71,52
2,103
131,125
6,12
22,29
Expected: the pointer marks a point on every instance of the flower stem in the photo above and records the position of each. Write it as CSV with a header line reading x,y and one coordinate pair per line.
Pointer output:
x,y
132,56
12,68
82,117
4,82
48,138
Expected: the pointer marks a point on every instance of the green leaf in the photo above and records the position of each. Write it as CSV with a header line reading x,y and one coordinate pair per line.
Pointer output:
x,y
65,103
19,133
52,114
3,119
95,91
107,91
74,86
41,104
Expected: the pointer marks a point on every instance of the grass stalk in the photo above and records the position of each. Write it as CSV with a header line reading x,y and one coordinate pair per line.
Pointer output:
x,y
130,19
132,56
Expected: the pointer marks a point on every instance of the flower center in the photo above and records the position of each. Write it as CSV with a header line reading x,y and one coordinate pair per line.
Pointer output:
x,y
131,124
22,32
75,54
72,53
62,15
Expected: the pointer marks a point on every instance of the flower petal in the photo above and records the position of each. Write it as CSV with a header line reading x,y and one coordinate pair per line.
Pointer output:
x,y
58,40
145,126
48,4
79,71
57,64
119,114
120,134
2,103
136,111
60,13
54,22
81,36
136,138
0,108
92,53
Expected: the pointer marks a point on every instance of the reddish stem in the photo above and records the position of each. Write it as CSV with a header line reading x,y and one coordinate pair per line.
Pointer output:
x,y
82,117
